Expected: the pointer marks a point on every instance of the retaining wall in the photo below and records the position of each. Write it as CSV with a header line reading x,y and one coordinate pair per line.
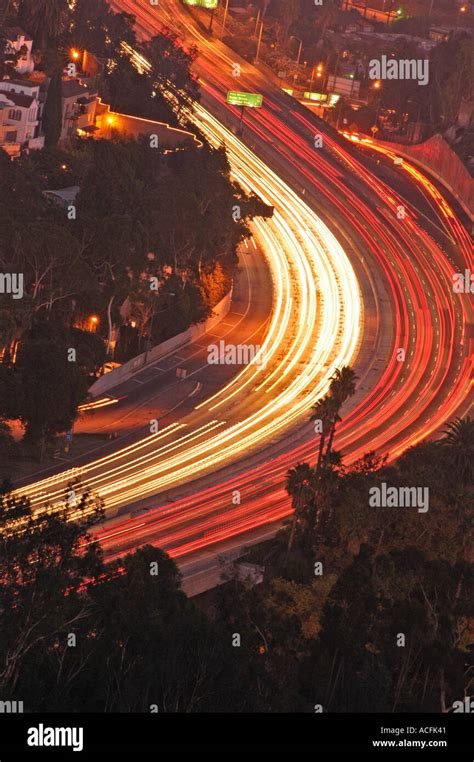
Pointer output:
x,y
119,375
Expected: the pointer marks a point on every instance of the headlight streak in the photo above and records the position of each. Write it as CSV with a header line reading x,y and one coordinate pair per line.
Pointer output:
x,y
304,345
428,318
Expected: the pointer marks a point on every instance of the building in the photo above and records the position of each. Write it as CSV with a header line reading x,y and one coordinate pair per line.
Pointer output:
x,y
79,103
109,123
63,197
20,116
18,42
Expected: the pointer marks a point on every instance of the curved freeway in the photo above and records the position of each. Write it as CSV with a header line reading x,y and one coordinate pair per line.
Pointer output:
x,y
358,278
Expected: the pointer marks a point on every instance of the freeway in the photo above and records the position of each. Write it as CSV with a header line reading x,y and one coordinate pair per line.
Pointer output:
x,y
357,278
314,328
155,393
431,324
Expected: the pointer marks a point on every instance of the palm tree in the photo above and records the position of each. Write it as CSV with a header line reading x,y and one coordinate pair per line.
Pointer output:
x,y
343,385
300,487
459,438
324,410
44,19
326,15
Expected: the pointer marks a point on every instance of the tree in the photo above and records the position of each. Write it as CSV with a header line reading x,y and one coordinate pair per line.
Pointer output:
x,y
323,411
374,603
52,115
300,487
46,384
43,19
459,442
171,70
326,410
96,27
154,647
451,67
343,384
287,13
45,559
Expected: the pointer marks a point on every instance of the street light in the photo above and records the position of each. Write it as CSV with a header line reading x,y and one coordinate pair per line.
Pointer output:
x,y
319,73
259,42
377,86
299,49
257,20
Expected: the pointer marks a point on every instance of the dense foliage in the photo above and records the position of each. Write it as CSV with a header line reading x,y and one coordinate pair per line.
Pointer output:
x,y
361,608
151,233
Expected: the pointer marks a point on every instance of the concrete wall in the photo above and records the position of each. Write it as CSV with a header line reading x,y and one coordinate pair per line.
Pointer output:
x,y
105,383
110,122
439,159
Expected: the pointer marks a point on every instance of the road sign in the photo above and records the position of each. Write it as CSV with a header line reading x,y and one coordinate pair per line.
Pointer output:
x,y
211,4
253,100
69,436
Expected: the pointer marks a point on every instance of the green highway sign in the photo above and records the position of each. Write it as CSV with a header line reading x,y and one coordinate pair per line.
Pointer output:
x,y
254,100
203,3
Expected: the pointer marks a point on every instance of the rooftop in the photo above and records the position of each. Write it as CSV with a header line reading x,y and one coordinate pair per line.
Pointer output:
x,y
67,195
26,83
18,99
72,88
13,32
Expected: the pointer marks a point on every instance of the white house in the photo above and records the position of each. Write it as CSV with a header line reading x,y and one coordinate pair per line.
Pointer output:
x,y
79,103
19,116
18,41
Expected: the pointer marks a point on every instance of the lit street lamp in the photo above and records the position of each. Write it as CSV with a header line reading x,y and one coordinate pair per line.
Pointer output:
x,y
461,11
377,86
319,73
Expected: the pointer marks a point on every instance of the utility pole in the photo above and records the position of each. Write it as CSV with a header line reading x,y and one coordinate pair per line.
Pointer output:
x,y
259,41
257,21
241,122
212,19
299,52
225,17
150,332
